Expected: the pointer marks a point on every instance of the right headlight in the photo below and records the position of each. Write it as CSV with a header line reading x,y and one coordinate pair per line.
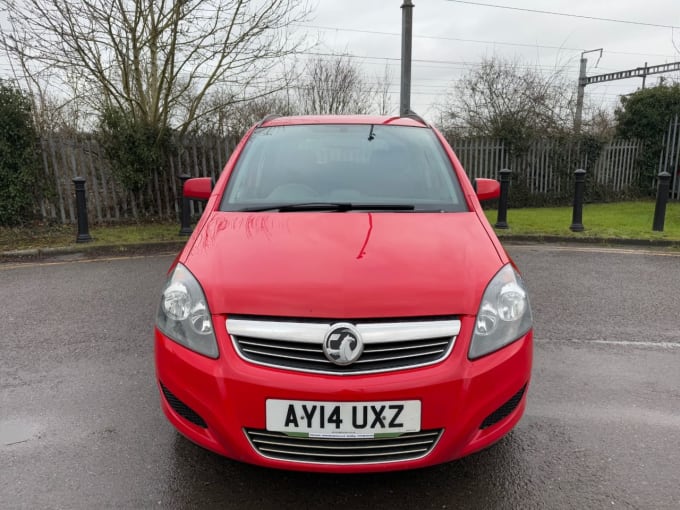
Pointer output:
x,y
183,313
504,314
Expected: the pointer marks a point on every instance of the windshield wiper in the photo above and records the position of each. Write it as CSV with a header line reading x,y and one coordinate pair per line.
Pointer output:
x,y
329,206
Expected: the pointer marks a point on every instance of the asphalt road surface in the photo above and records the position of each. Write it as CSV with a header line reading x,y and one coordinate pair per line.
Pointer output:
x,y
80,424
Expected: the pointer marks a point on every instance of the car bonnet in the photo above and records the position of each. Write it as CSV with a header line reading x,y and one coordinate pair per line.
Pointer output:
x,y
335,265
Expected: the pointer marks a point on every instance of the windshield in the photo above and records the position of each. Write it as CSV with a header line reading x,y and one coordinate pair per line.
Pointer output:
x,y
347,164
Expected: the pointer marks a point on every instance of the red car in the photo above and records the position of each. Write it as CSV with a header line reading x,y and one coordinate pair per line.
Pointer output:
x,y
343,305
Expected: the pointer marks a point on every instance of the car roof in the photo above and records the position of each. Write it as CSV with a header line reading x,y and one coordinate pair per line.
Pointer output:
x,y
271,121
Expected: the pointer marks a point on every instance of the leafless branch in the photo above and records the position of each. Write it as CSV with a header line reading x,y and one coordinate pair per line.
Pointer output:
x,y
157,59
334,86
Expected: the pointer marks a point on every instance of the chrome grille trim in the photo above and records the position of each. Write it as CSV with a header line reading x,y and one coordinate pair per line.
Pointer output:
x,y
393,349
285,357
307,332
279,446
250,345
388,346
393,358
372,333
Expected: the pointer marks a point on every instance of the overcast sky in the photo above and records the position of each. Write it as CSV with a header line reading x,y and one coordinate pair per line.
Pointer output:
x,y
452,37
458,35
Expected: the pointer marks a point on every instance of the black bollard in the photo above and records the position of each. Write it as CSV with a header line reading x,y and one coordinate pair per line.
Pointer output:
x,y
579,187
81,211
502,220
185,215
661,201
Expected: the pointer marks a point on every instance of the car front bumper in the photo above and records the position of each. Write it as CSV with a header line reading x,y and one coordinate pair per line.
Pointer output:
x,y
214,402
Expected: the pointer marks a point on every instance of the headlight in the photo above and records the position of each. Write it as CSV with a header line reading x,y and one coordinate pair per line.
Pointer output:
x,y
504,314
183,314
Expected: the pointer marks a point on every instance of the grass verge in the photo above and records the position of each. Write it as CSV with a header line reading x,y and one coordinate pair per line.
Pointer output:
x,y
621,220
48,236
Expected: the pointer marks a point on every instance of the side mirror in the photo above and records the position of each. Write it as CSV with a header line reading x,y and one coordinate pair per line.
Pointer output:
x,y
487,189
198,188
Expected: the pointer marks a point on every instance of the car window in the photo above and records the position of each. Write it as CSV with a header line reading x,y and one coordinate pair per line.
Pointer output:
x,y
367,164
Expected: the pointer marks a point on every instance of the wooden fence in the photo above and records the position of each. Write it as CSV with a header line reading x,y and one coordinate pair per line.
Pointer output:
x,y
65,158
544,169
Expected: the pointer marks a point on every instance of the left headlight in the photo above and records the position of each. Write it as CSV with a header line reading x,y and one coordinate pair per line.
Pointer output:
x,y
183,313
504,314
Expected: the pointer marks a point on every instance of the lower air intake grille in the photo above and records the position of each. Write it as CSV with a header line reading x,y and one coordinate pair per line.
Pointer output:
x,y
504,410
276,445
182,409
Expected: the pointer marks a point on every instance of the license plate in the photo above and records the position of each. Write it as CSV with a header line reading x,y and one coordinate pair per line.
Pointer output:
x,y
343,419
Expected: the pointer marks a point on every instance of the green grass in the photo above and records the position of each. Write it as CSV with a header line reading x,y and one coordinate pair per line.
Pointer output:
x,y
46,236
621,220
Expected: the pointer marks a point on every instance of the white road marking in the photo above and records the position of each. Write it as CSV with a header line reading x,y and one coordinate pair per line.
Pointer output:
x,y
604,412
622,343
594,249
21,265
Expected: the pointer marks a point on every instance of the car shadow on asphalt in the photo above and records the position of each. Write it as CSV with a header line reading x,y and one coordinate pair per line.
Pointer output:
x,y
501,476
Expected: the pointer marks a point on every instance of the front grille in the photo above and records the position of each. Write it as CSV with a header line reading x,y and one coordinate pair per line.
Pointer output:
x,y
374,358
182,409
279,446
388,346
504,410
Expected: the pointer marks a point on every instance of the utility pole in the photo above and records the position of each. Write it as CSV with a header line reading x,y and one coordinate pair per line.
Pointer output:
x,y
580,94
406,45
582,90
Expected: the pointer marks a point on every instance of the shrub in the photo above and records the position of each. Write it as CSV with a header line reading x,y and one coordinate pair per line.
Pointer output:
x,y
645,115
20,181
134,148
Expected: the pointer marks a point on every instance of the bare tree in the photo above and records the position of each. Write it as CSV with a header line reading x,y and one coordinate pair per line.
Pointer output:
x,y
506,99
158,60
599,121
51,111
334,86
383,87
231,116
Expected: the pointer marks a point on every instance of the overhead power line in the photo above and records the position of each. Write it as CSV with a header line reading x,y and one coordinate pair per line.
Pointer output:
x,y
436,38
564,14
474,41
454,63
